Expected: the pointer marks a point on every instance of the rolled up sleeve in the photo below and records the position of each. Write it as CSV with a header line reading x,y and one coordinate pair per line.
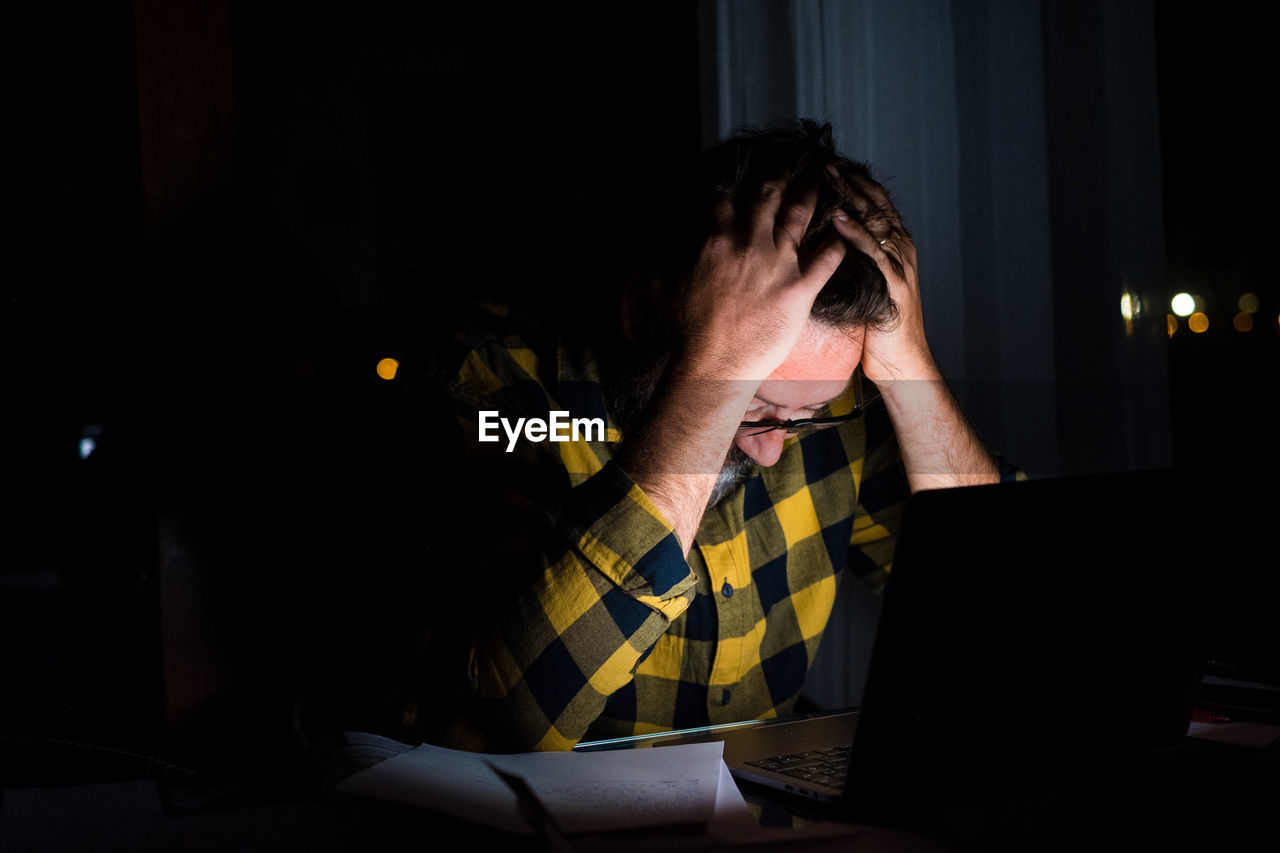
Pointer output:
x,y
543,672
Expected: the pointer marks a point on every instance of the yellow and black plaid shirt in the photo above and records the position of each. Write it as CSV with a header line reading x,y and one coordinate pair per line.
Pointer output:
x,y
593,621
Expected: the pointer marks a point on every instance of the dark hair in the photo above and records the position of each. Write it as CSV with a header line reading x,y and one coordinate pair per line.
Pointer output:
x,y
857,295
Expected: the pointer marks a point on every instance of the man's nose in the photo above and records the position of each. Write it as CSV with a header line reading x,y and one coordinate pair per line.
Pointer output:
x,y
765,448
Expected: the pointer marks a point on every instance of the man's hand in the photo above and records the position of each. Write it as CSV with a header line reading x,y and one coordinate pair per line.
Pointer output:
x,y
939,447
742,312
749,298
900,352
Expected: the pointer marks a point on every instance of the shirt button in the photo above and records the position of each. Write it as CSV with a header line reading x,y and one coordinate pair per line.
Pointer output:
x,y
724,697
726,590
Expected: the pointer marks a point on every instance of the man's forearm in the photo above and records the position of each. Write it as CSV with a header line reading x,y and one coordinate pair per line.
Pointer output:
x,y
939,446
677,450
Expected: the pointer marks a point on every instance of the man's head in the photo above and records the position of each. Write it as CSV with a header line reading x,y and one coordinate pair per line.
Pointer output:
x,y
855,297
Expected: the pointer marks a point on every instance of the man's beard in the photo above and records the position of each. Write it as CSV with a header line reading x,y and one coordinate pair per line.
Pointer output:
x,y
628,399
737,468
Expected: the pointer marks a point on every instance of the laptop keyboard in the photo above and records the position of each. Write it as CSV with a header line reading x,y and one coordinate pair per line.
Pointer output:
x,y
826,766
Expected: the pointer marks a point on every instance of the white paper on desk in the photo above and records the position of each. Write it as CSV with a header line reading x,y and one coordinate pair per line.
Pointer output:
x,y
586,792
731,807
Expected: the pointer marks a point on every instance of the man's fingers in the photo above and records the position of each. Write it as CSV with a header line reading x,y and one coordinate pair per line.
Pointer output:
x,y
793,220
722,213
868,188
764,212
888,250
872,201
872,215
823,265
857,234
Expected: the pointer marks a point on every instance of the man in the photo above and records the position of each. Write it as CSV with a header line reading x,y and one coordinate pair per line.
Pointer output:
x,y
679,568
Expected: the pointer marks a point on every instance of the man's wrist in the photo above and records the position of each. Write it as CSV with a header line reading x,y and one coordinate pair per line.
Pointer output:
x,y
902,370
676,451
939,447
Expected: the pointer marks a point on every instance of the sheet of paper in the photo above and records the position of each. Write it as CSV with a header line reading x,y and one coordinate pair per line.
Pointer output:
x,y
362,750
374,743
586,792
731,807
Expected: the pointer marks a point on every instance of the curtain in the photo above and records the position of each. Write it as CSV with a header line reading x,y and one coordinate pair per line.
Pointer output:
x,y
1020,142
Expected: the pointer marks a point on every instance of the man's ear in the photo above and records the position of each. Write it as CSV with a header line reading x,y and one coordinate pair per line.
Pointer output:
x,y
644,308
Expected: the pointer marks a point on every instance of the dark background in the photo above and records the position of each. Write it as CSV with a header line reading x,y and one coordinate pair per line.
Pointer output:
x,y
226,216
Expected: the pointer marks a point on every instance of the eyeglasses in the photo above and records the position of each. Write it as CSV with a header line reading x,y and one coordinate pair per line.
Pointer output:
x,y
804,425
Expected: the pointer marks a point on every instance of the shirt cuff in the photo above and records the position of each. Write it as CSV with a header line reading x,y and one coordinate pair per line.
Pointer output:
x,y
619,530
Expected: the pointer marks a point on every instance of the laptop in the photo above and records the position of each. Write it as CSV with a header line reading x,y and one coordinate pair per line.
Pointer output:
x,y
1033,634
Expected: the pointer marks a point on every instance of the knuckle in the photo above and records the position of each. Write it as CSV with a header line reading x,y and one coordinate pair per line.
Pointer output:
x,y
770,191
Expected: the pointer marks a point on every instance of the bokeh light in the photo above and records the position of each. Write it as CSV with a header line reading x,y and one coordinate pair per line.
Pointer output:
x,y
1249,303
1172,323
1198,322
1243,321
387,368
1183,304
1126,306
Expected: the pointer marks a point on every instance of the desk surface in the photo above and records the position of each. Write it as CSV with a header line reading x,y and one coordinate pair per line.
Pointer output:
x,y
1204,791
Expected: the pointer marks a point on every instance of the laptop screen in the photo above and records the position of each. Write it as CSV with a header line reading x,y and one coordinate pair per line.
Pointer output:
x,y
1032,632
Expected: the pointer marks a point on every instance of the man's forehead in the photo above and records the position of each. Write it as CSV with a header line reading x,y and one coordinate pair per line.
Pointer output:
x,y
817,370
801,393
822,354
